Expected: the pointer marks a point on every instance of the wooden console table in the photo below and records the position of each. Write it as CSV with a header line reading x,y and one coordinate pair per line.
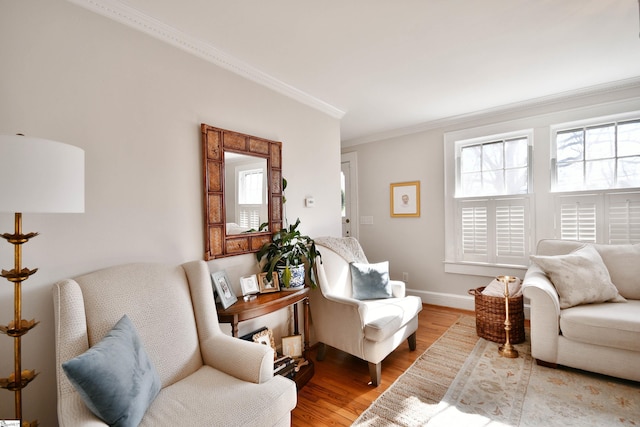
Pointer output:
x,y
268,303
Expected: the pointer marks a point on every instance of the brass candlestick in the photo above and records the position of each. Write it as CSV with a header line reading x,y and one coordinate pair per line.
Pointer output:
x,y
18,327
507,349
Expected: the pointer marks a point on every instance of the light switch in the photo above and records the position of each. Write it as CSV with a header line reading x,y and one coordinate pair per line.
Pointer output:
x,y
366,220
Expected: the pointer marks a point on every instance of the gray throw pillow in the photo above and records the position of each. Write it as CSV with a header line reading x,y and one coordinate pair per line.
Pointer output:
x,y
115,377
579,277
370,281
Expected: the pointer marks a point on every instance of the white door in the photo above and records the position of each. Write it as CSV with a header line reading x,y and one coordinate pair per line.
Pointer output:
x,y
349,196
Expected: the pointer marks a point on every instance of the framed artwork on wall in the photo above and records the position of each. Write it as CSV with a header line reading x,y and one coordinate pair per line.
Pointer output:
x,y
405,199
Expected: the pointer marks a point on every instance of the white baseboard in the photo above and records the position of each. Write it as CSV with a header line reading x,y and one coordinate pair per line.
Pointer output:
x,y
463,302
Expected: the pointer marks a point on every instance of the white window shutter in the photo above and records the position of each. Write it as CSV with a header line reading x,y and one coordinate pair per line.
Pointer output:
x,y
577,216
512,231
474,231
624,218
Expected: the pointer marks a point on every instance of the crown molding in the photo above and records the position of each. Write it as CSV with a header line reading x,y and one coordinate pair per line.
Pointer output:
x,y
133,18
620,86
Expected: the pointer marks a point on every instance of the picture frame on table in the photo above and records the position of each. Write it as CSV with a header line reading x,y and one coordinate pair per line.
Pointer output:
x,y
292,346
265,337
266,286
223,288
249,285
405,199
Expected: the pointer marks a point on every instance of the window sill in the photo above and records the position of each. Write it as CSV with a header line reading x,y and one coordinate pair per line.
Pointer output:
x,y
486,270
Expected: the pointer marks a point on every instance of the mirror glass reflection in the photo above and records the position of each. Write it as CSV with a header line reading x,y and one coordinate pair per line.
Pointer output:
x,y
245,192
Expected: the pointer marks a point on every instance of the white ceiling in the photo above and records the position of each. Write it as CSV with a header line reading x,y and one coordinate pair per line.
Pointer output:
x,y
385,65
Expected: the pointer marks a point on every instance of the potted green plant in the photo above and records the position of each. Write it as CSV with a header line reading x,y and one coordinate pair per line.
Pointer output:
x,y
287,254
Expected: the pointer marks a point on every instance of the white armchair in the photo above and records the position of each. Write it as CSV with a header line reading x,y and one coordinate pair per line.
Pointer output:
x,y
207,378
369,329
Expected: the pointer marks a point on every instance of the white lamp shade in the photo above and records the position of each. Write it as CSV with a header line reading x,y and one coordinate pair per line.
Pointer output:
x,y
38,175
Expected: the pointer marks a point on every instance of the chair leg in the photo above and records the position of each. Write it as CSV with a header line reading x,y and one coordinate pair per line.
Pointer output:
x,y
412,341
546,364
375,371
322,352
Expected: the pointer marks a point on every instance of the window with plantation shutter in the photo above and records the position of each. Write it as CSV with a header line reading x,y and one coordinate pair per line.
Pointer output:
x,y
493,182
251,194
597,167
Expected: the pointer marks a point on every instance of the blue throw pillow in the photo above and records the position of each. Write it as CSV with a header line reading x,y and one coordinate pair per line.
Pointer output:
x,y
370,281
115,377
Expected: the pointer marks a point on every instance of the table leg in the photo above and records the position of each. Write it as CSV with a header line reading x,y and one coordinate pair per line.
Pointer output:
x,y
234,328
296,330
306,328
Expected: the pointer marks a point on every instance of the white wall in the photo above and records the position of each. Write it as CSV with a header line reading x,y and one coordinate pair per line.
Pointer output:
x,y
135,106
417,245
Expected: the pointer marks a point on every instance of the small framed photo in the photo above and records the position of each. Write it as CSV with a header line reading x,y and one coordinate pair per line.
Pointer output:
x,y
223,288
265,337
249,285
292,346
405,199
266,285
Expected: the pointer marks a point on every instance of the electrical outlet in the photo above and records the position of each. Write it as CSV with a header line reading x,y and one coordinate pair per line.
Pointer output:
x,y
405,277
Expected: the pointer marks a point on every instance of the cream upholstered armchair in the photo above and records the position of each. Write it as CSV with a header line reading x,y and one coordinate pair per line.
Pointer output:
x,y
366,328
202,376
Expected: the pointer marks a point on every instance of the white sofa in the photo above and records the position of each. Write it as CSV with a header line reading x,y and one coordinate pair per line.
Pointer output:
x,y
598,337
207,378
369,329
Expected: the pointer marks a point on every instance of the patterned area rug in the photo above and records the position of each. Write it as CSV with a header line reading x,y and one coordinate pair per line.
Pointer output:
x,y
462,381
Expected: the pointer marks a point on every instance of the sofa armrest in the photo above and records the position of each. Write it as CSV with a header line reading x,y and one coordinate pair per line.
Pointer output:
x,y
398,288
537,287
545,314
242,359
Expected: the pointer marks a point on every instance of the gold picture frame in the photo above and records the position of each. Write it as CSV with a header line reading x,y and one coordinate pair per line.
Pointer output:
x,y
266,286
405,199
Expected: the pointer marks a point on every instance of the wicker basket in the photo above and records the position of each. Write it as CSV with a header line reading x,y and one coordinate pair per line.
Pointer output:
x,y
490,317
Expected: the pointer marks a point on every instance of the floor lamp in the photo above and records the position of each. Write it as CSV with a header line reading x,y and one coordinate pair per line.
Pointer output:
x,y
36,176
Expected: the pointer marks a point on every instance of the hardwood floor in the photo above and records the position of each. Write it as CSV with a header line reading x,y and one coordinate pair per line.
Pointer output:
x,y
339,391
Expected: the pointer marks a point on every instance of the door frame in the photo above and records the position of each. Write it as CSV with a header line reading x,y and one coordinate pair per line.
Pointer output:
x,y
352,159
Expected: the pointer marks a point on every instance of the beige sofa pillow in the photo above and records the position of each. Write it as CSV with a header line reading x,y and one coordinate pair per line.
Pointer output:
x,y
579,277
623,263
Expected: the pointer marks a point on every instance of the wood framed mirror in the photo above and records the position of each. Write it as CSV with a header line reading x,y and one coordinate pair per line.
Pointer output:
x,y
242,181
